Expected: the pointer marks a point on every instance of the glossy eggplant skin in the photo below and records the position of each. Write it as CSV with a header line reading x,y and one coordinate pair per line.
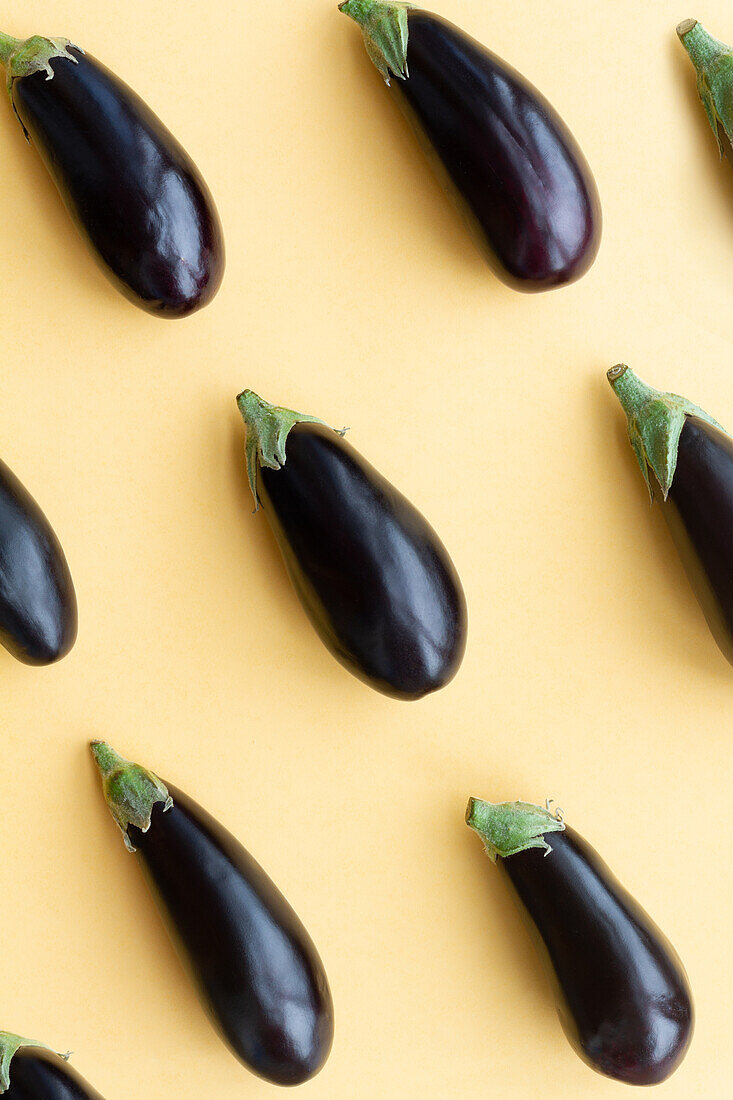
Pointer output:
x,y
132,190
255,966
699,514
503,153
372,575
621,991
38,616
37,1074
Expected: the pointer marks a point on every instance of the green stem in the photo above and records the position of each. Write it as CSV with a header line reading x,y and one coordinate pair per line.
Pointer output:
x,y
8,46
713,62
633,394
359,10
508,828
130,790
385,32
34,55
701,46
268,427
9,1046
654,422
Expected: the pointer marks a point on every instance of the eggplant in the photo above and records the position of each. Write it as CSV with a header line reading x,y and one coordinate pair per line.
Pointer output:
x,y
498,147
133,192
256,970
30,1071
621,992
38,616
713,64
370,572
687,462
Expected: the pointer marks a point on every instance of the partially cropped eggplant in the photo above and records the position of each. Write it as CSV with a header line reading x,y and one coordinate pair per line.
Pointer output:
x,y
372,575
621,992
713,63
502,152
38,616
133,192
30,1071
687,462
255,967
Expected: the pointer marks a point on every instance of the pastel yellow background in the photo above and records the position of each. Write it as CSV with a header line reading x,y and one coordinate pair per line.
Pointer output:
x,y
353,292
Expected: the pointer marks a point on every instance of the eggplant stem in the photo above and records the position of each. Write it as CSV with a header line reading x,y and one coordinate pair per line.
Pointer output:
x,y
268,427
700,45
130,791
8,46
507,828
385,32
713,64
32,55
654,423
23,57
10,1044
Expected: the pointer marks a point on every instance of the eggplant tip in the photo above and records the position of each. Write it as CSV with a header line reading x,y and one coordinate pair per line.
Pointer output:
x,y
615,372
49,650
685,27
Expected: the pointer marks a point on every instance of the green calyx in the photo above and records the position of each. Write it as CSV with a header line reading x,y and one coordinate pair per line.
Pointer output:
x,y
268,427
713,62
384,28
9,1046
507,828
32,55
654,424
130,791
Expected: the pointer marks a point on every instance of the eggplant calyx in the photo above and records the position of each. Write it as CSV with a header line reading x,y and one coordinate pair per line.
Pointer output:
x,y
713,62
9,1046
268,427
384,29
33,55
130,790
654,424
507,828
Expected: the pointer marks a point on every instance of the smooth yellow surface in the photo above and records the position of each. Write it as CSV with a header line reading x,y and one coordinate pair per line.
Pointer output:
x,y
353,292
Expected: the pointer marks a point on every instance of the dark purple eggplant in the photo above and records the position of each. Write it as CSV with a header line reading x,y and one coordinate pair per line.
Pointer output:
x,y
38,617
133,192
255,967
713,63
502,152
372,575
688,457
30,1071
621,992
